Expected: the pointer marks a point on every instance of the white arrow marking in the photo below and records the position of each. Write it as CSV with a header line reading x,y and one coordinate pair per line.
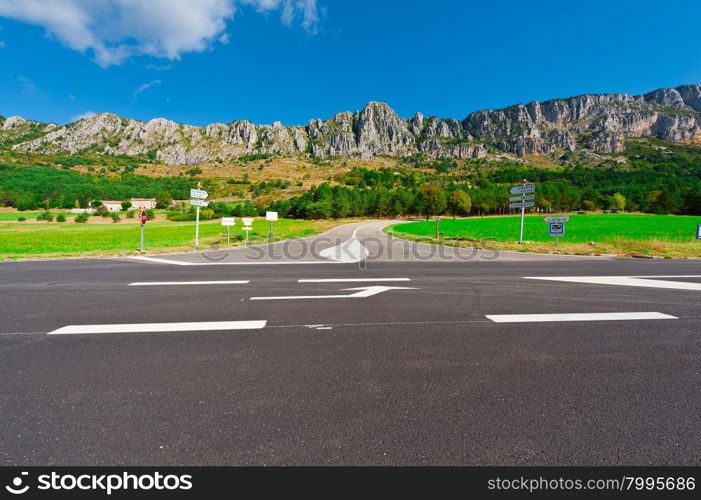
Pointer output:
x,y
363,291
640,281
342,280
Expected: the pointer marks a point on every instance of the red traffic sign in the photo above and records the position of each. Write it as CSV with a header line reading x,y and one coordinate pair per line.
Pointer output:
x,y
143,217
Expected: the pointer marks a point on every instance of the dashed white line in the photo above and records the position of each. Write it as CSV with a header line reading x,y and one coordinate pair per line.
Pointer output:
x,y
160,327
350,280
537,318
185,283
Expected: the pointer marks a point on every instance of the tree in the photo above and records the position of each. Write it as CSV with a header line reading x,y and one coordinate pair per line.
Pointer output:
x,y
164,199
618,202
433,199
459,203
126,205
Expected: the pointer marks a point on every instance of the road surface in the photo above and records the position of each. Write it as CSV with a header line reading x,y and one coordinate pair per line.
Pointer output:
x,y
355,355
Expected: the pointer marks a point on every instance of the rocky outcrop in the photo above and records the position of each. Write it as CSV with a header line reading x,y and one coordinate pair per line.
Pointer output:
x,y
600,123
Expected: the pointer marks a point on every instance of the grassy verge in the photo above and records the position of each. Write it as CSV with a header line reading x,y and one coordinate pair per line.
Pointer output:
x,y
592,234
70,239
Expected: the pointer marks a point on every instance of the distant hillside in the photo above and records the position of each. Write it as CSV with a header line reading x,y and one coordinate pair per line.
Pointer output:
x,y
597,123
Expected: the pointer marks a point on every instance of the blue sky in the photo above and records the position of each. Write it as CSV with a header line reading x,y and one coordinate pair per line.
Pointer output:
x,y
293,60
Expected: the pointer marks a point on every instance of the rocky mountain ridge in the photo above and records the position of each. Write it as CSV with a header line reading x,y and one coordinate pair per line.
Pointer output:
x,y
599,123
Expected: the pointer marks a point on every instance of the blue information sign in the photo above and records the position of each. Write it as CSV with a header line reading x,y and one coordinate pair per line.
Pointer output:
x,y
556,228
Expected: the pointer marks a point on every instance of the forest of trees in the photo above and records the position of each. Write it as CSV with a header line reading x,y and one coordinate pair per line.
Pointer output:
x,y
656,177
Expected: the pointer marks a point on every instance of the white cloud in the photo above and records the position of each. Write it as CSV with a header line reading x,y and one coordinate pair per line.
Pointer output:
x,y
112,31
87,114
145,86
2,44
28,86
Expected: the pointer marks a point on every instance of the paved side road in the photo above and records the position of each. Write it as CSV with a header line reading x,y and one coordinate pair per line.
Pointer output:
x,y
533,361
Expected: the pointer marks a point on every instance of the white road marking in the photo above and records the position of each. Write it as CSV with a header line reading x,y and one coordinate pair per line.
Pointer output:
x,y
160,327
538,318
344,280
155,260
639,281
349,251
184,283
363,292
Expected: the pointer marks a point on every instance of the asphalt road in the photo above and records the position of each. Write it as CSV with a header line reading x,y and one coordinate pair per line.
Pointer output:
x,y
422,374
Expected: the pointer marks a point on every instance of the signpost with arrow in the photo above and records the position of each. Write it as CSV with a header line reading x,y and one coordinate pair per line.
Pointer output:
x,y
523,201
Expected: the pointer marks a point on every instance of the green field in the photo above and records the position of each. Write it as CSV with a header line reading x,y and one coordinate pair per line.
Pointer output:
x,y
19,240
665,235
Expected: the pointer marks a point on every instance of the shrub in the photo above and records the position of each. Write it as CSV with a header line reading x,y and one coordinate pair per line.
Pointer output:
x,y
126,205
22,219
60,218
47,216
150,214
115,217
102,210
130,214
81,218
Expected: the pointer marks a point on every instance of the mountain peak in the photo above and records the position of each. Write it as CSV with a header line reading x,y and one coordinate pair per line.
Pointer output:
x,y
599,122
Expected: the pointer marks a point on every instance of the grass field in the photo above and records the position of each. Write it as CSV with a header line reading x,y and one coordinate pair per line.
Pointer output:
x,y
18,240
621,234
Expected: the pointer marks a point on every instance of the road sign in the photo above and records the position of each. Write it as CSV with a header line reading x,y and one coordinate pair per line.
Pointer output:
x,y
199,203
271,216
247,221
198,193
522,189
698,232
557,219
556,229
228,221
523,197
525,204
144,217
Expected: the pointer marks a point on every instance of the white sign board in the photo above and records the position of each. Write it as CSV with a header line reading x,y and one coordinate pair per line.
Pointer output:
x,y
525,204
271,216
228,221
198,193
247,221
556,219
199,203
525,188
523,197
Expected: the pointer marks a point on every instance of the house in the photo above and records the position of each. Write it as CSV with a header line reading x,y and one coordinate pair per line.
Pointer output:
x,y
143,203
112,206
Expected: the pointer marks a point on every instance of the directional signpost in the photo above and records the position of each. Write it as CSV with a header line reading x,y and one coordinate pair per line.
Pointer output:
x,y
198,201
143,223
564,218
270,217
247,226
523,202
228,222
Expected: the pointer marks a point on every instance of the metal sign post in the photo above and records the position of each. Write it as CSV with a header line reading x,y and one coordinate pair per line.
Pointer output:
x,y
143,224
556,229
522,202
698,232
271,216
198,201
438,225
247,226
228,222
